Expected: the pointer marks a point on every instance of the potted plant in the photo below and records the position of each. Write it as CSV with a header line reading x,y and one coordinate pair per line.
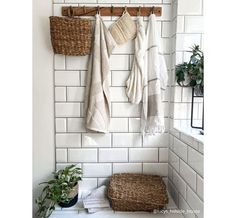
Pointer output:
x,y
61,190
190,74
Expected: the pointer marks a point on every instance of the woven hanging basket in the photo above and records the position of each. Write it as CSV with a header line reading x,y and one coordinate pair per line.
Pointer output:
x,y
71,36
137,192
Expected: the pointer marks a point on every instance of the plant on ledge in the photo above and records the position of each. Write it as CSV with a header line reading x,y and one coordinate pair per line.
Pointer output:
x,y
190,74
62,190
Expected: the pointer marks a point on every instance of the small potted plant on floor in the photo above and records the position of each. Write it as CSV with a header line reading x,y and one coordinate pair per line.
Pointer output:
x,y
190,74
61,190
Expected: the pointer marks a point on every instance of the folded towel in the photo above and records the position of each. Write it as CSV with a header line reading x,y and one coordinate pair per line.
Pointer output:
x,y
99,193
152,117
94,210
97,204
97,199
97,94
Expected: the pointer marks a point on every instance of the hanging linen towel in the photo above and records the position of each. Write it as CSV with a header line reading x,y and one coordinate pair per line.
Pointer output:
x,y
135,82
97,95
156,77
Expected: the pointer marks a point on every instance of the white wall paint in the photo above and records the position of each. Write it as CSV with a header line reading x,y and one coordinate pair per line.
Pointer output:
x,y
43,127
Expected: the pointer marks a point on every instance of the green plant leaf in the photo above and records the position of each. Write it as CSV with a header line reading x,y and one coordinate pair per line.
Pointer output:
x,y
191,73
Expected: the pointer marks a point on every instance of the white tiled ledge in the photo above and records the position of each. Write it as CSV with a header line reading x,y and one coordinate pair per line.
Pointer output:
x,y
194,133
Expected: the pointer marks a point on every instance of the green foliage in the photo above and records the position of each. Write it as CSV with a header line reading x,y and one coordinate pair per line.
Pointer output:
x,y
57,190
190,74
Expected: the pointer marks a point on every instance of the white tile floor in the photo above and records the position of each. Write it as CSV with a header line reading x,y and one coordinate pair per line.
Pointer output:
x,y
78,212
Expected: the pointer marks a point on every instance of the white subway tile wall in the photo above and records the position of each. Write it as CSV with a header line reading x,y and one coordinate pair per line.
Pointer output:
x,y
123,148
189,31
160,169
88,184
195,202
188,174
59,62
179,183
60,94
60,125
82,155
113,155
68,140
143,154
127,168
190,7
184,206
185,170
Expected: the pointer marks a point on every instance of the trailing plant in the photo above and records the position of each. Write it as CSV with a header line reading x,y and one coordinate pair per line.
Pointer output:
x,y
190,74
57,190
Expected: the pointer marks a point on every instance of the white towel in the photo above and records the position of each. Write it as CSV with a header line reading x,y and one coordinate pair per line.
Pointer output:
x,y
97,199
156,77
97,94
94,210
135,82
96,204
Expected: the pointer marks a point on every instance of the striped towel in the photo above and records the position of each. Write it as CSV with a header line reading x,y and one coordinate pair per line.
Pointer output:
x,y
97,94
156,77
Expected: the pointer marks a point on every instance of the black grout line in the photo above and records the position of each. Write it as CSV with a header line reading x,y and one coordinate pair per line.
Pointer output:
x,y
54,113
112,86
66,126
184,24
109,4
67,155
108,147
84,131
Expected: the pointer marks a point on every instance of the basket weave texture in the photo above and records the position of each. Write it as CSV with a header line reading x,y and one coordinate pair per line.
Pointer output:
x,y
71,36
137,192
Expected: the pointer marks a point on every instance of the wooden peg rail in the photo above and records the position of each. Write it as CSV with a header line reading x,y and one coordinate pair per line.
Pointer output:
x,y
110,11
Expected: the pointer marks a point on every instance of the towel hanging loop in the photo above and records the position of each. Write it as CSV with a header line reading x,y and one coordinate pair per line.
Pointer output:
x,y
139,11
112,9
98,10
153,9
125,10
